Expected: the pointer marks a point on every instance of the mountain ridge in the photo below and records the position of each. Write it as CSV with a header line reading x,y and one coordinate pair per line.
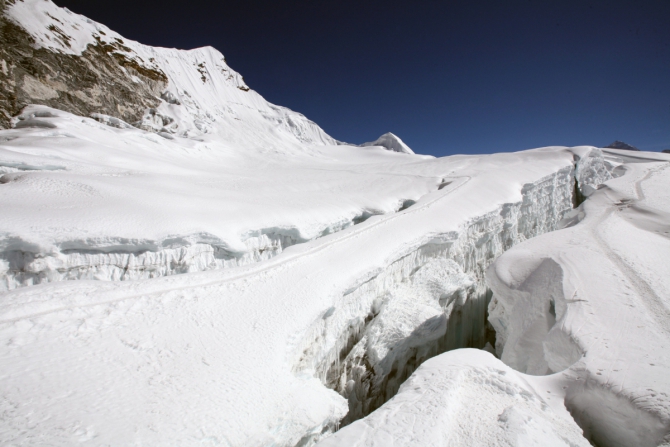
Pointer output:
x,y
54,57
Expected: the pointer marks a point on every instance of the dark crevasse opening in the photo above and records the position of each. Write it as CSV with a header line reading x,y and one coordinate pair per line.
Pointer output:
x,y
369,383
372,357
578,196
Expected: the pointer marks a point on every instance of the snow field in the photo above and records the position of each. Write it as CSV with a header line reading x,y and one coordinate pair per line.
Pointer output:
x,y
82,200
581,317
209,356
223,272
595,307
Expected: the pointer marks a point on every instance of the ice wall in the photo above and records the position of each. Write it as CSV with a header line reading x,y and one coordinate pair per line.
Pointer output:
x,y
23,264
425,303
131,260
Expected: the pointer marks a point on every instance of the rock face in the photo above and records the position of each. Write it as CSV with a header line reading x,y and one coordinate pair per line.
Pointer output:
x,y
621,145
666,151
390,142
53,57
107,77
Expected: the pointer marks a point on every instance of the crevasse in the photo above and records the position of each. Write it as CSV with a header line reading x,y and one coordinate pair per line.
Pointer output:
x,y
435,298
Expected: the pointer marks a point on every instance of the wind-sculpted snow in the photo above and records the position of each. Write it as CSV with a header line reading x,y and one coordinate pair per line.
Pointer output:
x,y
578,304
465,398
591,302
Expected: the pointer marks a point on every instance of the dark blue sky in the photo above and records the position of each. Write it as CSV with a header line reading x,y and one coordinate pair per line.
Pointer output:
x,y
446,77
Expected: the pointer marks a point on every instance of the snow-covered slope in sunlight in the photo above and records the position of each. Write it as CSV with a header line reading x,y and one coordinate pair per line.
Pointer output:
x,y
184,263
188,93
593,301
582,315
82,200
466,398
234,354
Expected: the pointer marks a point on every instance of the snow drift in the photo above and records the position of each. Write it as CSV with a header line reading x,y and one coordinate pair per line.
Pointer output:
x,y
466,397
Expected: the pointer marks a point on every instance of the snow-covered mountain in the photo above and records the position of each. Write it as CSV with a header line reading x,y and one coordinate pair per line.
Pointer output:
x,y
390,142
183,263
54,57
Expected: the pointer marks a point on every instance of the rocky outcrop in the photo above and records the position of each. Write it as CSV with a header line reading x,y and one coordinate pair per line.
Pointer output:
x,y
107,78
621,145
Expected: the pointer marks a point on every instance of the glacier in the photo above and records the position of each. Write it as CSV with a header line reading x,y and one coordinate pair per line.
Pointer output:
x,y
192,265
572,334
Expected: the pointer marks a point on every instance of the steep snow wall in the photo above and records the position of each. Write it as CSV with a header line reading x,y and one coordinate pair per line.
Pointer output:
x,y
23,264
44,63
131,260
425,303
54,57
434,299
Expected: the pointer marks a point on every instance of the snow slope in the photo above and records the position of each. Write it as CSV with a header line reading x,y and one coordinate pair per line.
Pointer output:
x,y
211,137
202,95
209,356
466,397
582,316
597,304
222,272
85,200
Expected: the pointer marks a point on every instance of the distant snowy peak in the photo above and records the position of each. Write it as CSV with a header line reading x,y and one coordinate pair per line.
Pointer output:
x,y
54,57
390,142
621,145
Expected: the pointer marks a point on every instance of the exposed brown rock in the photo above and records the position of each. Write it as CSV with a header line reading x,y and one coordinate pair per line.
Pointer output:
x,y
100,80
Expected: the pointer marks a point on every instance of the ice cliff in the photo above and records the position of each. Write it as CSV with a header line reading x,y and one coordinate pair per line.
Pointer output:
x,y
570,309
